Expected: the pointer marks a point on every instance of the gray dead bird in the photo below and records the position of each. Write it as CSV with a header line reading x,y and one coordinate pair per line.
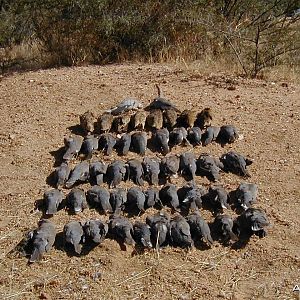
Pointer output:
x,y
204,118
193,196
76,201
246,194
135,199
123,144
180,233
218,197
170,118
97,171
142,234
121,123
170,165
223,227
152,197
104,122
121,229
139,142
72,145
199,228
95,231
161,103
161,140
155,119
124,106
99,197
178,136
87,121
80,173
227,135
151,169
42,239
168,194
136,171
107,143
62,174
253,220
208,166
89,145
159,227
52,201
236,163
211,133
188,164
194,135
138,120
118,198
74,235
187,118
116,172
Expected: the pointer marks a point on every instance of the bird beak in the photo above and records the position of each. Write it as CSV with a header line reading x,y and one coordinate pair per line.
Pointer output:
x,y
244,206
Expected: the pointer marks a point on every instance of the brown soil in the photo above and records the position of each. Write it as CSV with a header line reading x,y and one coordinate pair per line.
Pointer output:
x,y
37,108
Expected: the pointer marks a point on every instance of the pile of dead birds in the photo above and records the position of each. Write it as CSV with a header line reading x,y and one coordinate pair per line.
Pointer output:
x,y
178,221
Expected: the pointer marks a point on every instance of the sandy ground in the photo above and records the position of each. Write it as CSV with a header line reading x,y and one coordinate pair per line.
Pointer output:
x,y
37,111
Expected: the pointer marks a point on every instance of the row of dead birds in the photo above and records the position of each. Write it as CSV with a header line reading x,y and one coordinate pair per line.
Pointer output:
x,y
161,141
151,169
159,230
135,200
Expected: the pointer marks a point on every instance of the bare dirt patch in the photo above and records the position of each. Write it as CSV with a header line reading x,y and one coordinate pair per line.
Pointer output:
x,y
37,108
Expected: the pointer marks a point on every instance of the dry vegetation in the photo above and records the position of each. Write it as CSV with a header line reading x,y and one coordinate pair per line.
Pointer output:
x,y
37,111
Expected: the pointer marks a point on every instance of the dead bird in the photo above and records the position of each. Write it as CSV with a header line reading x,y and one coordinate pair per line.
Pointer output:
x,y
97,172
107,143
74,235
136,171
118,198
151,197
104,122
87,121
178,136
120,123
170,118
194,136
151,168
236,163
209,167
139,142
72,145
62,174
99,198
155,119
204,118
223,227
95,231
170,166
159,227
193,196
161,140
53,200
227,135
211,133
217,198
188,164
116,172
123,144
168,194
89,145
246,194
253,221
125,106
187,118
42,239
180,234
142,234
135,199
76,201
199,228
138,120
121,229
80,173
